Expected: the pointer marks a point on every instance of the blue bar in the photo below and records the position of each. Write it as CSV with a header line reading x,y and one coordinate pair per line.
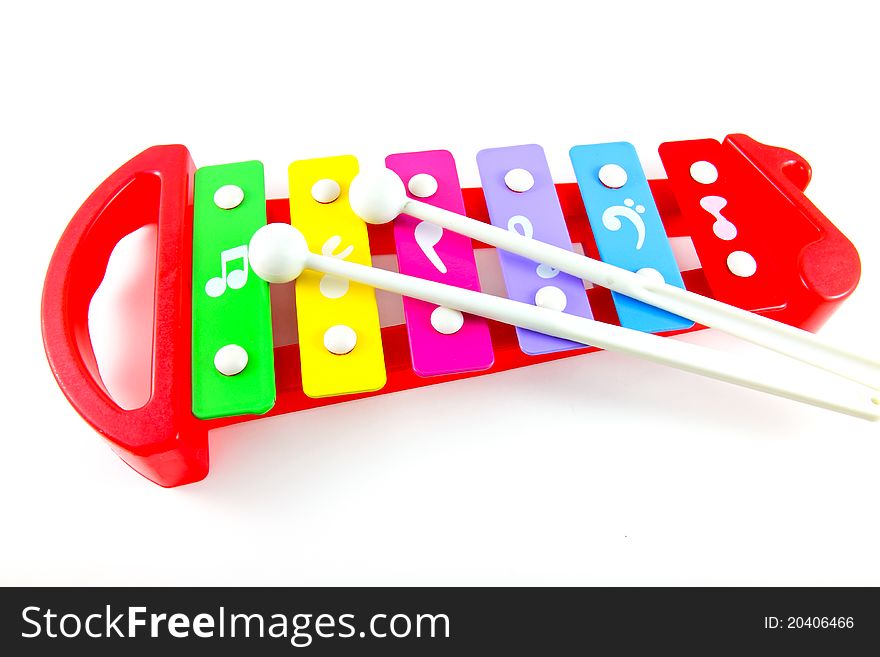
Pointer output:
x,y
627,227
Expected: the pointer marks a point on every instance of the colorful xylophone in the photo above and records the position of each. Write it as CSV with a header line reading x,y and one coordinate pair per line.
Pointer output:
x,y
730,222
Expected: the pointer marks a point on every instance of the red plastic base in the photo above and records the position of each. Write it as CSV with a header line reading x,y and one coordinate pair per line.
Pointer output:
x,y
815,268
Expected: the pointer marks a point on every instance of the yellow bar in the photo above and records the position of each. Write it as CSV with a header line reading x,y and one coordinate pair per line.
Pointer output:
x,y
325,301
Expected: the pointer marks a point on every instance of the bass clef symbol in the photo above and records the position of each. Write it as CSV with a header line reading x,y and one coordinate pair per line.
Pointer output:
x,y
632,213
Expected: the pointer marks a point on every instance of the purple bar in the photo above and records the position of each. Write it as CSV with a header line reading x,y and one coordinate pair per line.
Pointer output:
x,y
534,213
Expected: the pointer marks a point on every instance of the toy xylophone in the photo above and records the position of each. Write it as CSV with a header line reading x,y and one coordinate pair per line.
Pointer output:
x,y
729,228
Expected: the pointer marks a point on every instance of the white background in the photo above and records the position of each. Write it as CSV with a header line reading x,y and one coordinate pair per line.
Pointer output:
x,y
592,470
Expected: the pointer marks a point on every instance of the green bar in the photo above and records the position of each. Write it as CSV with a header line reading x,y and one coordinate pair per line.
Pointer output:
x,y
230,304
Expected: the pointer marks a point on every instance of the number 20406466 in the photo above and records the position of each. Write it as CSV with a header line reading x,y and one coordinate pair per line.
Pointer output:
x,y
809,622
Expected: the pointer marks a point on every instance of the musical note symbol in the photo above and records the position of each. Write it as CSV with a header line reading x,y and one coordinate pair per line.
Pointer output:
x,y
611,219
235,279
528,230
427,237
334,287
722,227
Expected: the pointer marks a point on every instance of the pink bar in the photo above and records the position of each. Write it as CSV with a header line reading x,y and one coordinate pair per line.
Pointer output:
x,y
433,353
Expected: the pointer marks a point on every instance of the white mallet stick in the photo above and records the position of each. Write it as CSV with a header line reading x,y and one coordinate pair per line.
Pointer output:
x,y
379,197
279,253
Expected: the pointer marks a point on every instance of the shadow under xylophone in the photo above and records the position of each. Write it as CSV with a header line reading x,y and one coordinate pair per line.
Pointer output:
x,y
736,210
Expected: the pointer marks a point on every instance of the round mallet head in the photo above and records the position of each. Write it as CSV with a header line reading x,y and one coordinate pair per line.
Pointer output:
x,y
377,196
278,253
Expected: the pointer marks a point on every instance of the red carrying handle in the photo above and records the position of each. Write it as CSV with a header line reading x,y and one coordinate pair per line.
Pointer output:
x,y
162,440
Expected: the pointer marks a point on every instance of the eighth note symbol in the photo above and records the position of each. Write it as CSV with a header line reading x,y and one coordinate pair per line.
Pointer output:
x,y
611,219
722,228
235,279
427,237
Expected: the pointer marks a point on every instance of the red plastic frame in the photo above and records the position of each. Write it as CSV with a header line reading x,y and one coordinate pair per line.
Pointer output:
x,y
164,442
